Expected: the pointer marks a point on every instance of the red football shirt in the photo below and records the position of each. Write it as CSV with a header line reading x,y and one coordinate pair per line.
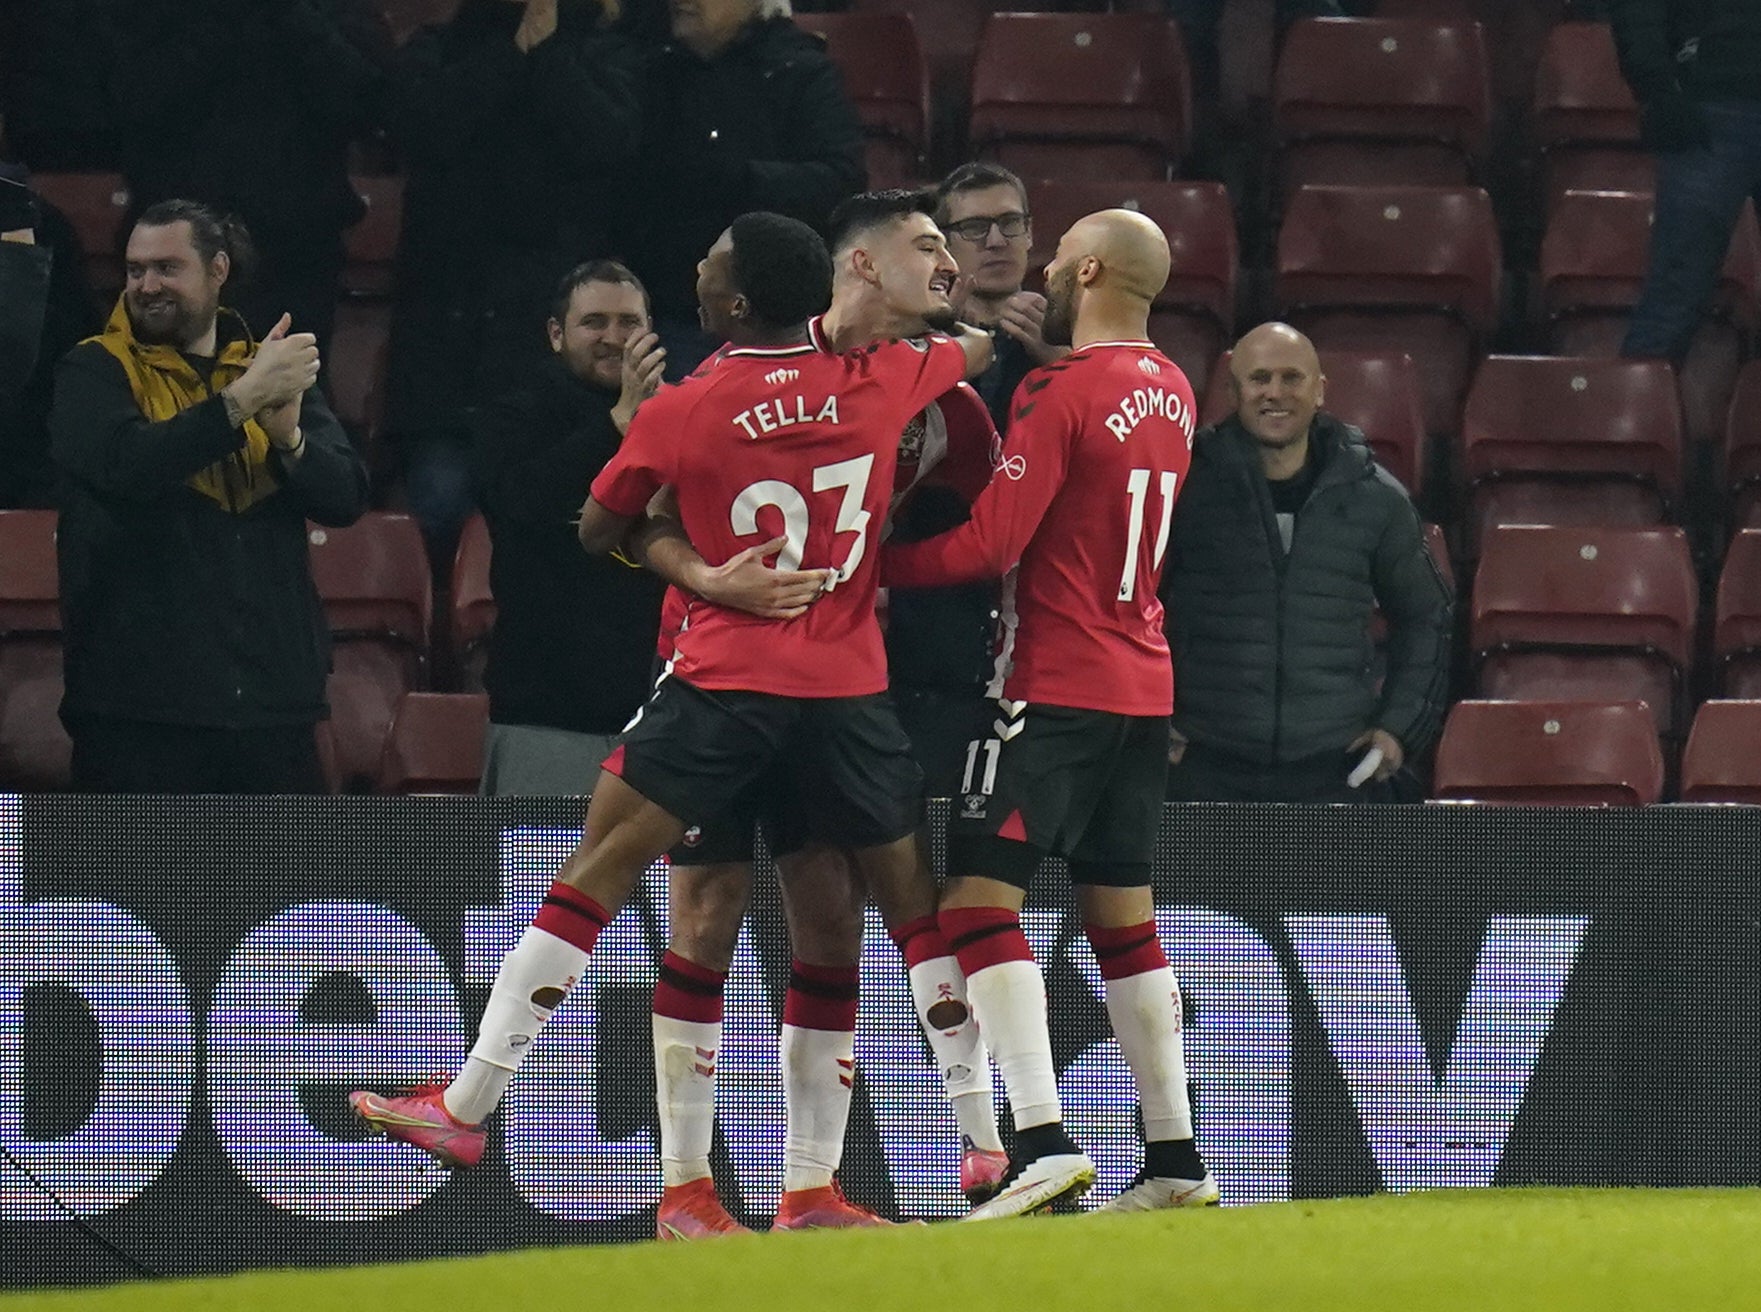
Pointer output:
x,y
784,441
1076,518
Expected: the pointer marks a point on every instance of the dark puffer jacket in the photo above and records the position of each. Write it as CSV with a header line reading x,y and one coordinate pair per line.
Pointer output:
x,y
1273,660
1725,35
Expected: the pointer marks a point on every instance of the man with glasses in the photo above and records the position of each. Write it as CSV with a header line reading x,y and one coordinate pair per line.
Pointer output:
x,y
983,210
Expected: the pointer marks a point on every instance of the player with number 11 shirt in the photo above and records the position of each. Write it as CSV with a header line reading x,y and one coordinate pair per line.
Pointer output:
x,y
1076,519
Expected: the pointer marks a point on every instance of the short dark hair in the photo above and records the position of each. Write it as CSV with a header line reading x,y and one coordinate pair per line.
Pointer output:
x,y
870,209
594,271
979,175
211,231
782,268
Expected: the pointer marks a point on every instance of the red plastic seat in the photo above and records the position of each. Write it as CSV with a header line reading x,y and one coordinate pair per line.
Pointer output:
x,y
354,370
1736,633
1720,763
1586,612
1742,448
1593,262
888,81
377,591
34,747
1516,31
435,744
1585,121
1412,269
1549,753
370,247
1375,391
96,204
472,607
1081,95
1547,440
1193,317
1370,101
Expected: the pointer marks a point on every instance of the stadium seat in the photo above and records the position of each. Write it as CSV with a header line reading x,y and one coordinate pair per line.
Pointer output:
x,y
34,747
1081,95
377,592
1549,753
1375,391
888,81
1585,122
1742,448
96,204
354,373
1373,101
1586,612
1413,269
1593,262
435,744
472,605
370,247
1515,32
1720,763
1193,317
1548,440
1736,633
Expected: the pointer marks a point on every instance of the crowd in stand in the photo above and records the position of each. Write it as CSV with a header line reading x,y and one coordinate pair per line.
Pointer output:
x,y
566,164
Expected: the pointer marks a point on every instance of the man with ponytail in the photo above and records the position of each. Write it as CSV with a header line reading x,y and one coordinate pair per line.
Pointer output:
x,y
191,457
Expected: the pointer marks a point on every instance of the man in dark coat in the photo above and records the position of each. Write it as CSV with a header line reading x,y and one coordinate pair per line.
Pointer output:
x,y
191,457
517,123
1287,540
572,655
744,111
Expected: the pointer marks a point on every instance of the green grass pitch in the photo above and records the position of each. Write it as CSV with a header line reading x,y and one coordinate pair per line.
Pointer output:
x,y
1486,1250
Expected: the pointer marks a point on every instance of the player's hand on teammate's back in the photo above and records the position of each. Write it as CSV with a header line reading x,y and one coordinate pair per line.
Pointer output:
x,y
746,583
644,363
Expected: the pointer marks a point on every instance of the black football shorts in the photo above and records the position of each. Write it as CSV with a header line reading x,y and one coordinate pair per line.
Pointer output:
x,y
1057,781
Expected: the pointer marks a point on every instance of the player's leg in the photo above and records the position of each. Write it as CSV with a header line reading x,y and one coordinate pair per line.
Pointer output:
x,y
822,903
706,903
624,833
1110,862
908,907
689,749
1025,795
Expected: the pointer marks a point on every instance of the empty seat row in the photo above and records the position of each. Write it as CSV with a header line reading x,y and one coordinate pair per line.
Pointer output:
x,y
1585,752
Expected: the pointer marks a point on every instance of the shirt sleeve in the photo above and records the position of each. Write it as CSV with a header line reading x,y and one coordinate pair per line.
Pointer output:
x,y
1030,468
644,463
918,370
973,444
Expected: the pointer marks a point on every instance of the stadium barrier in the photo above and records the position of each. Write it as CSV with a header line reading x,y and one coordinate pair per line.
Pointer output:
x,y
1388,998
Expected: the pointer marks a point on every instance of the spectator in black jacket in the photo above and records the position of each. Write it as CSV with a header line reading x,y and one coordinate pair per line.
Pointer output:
x,y
572,653
518,122
1693,67
192,457
1287,539
249,107
744,111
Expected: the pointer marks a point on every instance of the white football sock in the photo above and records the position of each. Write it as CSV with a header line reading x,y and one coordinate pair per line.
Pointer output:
x,y
938,990
684,1094
1145,1012
533,981
1009,999
819,1068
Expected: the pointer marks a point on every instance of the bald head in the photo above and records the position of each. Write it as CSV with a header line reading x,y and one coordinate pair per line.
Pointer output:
x,y
1107,270
1278,385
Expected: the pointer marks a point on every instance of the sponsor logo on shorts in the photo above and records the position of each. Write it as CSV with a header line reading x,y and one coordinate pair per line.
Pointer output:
x,y
973,807
693,836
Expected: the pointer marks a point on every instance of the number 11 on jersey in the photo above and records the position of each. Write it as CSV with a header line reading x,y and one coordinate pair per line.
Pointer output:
x,y
1137,488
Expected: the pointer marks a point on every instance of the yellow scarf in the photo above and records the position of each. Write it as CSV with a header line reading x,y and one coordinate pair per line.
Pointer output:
x,y
165,385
